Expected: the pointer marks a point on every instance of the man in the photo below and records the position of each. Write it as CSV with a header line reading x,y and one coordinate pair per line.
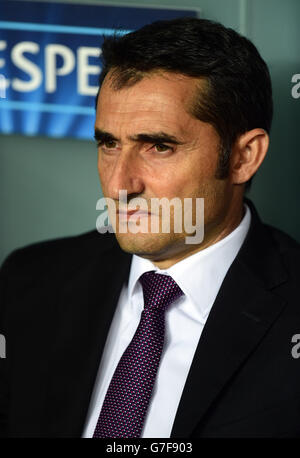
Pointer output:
x,y
139,333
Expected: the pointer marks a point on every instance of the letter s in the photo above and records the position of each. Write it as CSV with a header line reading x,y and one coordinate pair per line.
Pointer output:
x,y
27,66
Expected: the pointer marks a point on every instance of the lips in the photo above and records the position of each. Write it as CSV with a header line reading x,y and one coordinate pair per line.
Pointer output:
x,y
133,214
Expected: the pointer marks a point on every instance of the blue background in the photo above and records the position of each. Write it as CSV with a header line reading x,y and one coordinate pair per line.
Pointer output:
x,y
64,112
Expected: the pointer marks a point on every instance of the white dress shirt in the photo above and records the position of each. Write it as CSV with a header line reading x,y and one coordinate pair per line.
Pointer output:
x,y
200,277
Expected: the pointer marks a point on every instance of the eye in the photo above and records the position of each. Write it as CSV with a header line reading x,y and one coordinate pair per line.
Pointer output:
x,y
107,144
162,148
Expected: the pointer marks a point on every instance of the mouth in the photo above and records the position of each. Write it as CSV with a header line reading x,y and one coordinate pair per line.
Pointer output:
x,y
125,215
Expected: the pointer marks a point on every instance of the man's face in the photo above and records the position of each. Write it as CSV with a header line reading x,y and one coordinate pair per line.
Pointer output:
x,y
153,148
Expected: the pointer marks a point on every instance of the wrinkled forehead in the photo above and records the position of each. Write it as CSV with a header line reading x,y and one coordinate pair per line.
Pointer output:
x,y
159,97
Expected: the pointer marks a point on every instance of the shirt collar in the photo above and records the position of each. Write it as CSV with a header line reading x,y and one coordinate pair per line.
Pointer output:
x,y
200,275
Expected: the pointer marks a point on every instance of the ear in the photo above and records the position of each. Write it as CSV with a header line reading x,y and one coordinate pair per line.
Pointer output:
x,y
248,152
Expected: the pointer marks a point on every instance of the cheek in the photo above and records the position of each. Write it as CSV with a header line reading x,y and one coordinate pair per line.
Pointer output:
x,y
99,166
103,173
105,165
194,178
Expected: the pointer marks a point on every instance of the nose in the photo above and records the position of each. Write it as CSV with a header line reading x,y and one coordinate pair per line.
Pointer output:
x,y
123,174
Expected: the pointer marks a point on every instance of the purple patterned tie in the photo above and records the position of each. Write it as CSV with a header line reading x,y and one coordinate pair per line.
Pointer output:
x,y
128,395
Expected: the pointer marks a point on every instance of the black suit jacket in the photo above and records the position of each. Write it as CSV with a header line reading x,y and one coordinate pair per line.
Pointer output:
x,y
57,302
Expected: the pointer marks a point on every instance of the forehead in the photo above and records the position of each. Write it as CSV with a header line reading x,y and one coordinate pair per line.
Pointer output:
x,y
157,98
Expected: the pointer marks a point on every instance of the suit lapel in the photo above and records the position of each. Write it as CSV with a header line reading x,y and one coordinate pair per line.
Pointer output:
x,y
86,305
243,311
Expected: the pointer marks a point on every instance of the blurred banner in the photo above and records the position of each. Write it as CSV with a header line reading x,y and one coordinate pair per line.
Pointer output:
x,y
49,62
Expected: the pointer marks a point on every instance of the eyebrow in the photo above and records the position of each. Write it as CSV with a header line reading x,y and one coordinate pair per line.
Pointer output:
x,y
152,137
103,136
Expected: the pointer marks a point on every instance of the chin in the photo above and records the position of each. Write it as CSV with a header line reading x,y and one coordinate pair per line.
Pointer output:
x,y
147,245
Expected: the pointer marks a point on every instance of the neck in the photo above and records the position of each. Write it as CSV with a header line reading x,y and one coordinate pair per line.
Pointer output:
x,y
212,236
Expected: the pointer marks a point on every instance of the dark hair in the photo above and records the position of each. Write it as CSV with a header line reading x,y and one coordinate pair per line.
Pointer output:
x,y
238,92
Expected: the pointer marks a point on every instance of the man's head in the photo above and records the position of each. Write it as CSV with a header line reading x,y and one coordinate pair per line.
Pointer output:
x,y
204,92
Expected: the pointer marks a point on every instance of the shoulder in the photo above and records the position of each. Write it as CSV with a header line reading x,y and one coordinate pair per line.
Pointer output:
x,y
288,249
269,242
62,252
284,242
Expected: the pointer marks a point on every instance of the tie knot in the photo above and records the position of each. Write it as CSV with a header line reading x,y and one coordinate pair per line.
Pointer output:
x,y
159,290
